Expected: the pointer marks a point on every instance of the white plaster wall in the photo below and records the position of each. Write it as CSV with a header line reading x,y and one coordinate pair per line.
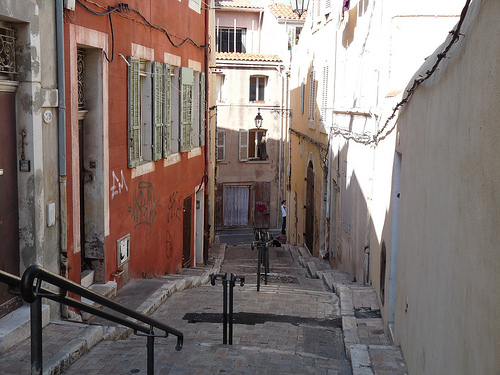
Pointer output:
x,y
447,299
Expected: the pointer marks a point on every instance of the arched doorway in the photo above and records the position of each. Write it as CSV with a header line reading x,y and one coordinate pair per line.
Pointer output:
x,y
309,233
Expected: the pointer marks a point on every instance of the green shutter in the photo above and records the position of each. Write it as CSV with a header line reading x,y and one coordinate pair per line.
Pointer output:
x,y
187,79
203,109
167,129
158,110
134,112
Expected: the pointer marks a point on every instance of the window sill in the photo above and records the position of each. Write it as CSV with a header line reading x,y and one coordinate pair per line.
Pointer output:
x,y
142,169
172,159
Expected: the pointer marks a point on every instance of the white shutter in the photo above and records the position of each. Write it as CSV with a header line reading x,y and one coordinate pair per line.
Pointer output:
x,y
134,112
243,145
312,95
221,145
187,79
324,95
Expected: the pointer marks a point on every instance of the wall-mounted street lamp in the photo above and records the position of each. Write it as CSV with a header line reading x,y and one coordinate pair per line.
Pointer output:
x,y
299,6
258,120
276,110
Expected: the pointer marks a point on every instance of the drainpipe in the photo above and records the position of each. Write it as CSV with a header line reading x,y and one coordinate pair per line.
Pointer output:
x,y
61,132
206,229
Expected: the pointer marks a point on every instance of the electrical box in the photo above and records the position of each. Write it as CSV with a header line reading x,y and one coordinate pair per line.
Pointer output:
x,y
123,250
69,4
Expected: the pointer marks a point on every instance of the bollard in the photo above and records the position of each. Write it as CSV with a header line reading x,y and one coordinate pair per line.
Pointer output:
x,y
227,305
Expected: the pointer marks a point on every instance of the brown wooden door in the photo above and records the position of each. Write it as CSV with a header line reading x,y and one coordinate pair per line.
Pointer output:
x,y
262,201
309,234
9,216
186,232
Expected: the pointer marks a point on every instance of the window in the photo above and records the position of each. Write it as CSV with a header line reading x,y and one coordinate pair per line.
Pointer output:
x,y
220,145
293,35
231,40
149,111
257,88
7,52
253,144
219,87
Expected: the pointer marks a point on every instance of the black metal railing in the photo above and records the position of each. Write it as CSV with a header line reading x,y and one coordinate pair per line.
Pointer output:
x,y
29,286
263,240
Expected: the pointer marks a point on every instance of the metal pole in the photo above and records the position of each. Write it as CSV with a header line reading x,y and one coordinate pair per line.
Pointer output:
x,y
231,286
224,310
151,352
36,336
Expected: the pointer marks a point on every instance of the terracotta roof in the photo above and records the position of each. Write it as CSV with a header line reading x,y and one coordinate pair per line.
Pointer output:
x,y
247,57
236,4
280,10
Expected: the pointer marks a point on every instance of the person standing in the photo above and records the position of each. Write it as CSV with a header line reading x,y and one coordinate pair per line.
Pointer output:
x,y
283,215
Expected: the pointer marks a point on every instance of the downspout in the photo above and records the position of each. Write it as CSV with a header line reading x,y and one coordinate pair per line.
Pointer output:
x,y
61,132
206,229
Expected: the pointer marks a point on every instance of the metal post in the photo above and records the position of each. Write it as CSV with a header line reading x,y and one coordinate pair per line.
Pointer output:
x,y
151,352
224,310
231,286
36,336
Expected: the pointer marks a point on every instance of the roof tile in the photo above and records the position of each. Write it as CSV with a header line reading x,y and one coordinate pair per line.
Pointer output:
x,y
280,10
247,57
235,4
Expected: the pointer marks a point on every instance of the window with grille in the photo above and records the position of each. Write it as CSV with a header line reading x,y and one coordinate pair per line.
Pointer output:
x,y
7,51
231,40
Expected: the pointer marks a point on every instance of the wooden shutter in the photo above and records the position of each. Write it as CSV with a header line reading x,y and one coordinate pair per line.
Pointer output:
x,y
187,79
203,109
243,145
134,112
221,145
167,129
158,110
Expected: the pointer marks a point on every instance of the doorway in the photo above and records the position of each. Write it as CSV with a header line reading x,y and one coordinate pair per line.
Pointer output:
x,y
309,234
236,205
186,232
9,214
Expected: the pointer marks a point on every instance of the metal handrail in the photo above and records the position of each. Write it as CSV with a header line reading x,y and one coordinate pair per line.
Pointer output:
x,y
32,291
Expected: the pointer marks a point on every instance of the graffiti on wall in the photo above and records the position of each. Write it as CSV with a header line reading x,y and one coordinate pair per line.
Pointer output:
x,y
119,184
144,205
174,207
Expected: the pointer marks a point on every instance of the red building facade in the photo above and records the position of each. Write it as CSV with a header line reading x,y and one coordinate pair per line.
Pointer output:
x,y
135,138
